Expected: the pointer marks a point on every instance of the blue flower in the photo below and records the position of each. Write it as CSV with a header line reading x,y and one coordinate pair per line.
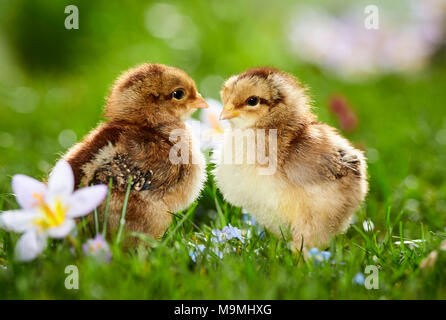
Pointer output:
x,y
218,253
325,255
358,279
219,236
194,253
234,232
313,252
319,256
198,249
227,233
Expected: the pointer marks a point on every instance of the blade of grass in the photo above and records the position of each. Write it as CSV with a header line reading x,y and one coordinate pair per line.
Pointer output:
x,y
388,237
143,237
423,237
2,198
196,226
180,223
220,213
123,212
365,236
82,226
96,221
107,205
401,237
218,207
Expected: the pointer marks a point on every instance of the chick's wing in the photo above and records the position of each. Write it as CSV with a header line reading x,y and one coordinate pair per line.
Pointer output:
x,y
132,151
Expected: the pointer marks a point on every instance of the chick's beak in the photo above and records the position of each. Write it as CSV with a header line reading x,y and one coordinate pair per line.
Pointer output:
x,y
229,112
199,103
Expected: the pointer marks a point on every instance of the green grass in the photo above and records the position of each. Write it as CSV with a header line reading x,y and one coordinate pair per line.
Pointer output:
x,y
400,123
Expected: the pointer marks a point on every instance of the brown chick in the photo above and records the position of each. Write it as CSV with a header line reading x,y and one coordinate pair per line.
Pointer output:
x,y
145,106
318,179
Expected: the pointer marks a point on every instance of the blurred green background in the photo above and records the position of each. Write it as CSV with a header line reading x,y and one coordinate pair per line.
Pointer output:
x,y
53,82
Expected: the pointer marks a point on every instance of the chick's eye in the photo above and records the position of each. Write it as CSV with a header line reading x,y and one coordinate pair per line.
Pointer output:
x,y
253,101
178,94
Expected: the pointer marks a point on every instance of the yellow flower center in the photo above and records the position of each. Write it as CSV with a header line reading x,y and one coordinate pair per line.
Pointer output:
x,y
95,247
50,217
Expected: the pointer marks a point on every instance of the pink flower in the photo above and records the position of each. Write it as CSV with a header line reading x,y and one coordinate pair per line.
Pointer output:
x,y
346,115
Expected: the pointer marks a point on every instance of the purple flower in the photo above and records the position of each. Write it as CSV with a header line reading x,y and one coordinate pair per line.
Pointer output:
x,y
97,248
335,40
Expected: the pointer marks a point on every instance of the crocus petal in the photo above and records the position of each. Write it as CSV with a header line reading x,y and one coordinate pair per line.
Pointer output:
x,y
29,246
61,180
84,201
26,189
215,107
195,128
17,220
61,231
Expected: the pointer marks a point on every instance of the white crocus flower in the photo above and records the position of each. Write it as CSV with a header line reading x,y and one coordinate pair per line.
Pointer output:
x,y
209,130
48,211
368,225
412,244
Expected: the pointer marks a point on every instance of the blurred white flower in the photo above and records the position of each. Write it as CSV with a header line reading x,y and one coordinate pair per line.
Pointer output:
x,y
412,244
48,211
209,130
368,225
407,37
